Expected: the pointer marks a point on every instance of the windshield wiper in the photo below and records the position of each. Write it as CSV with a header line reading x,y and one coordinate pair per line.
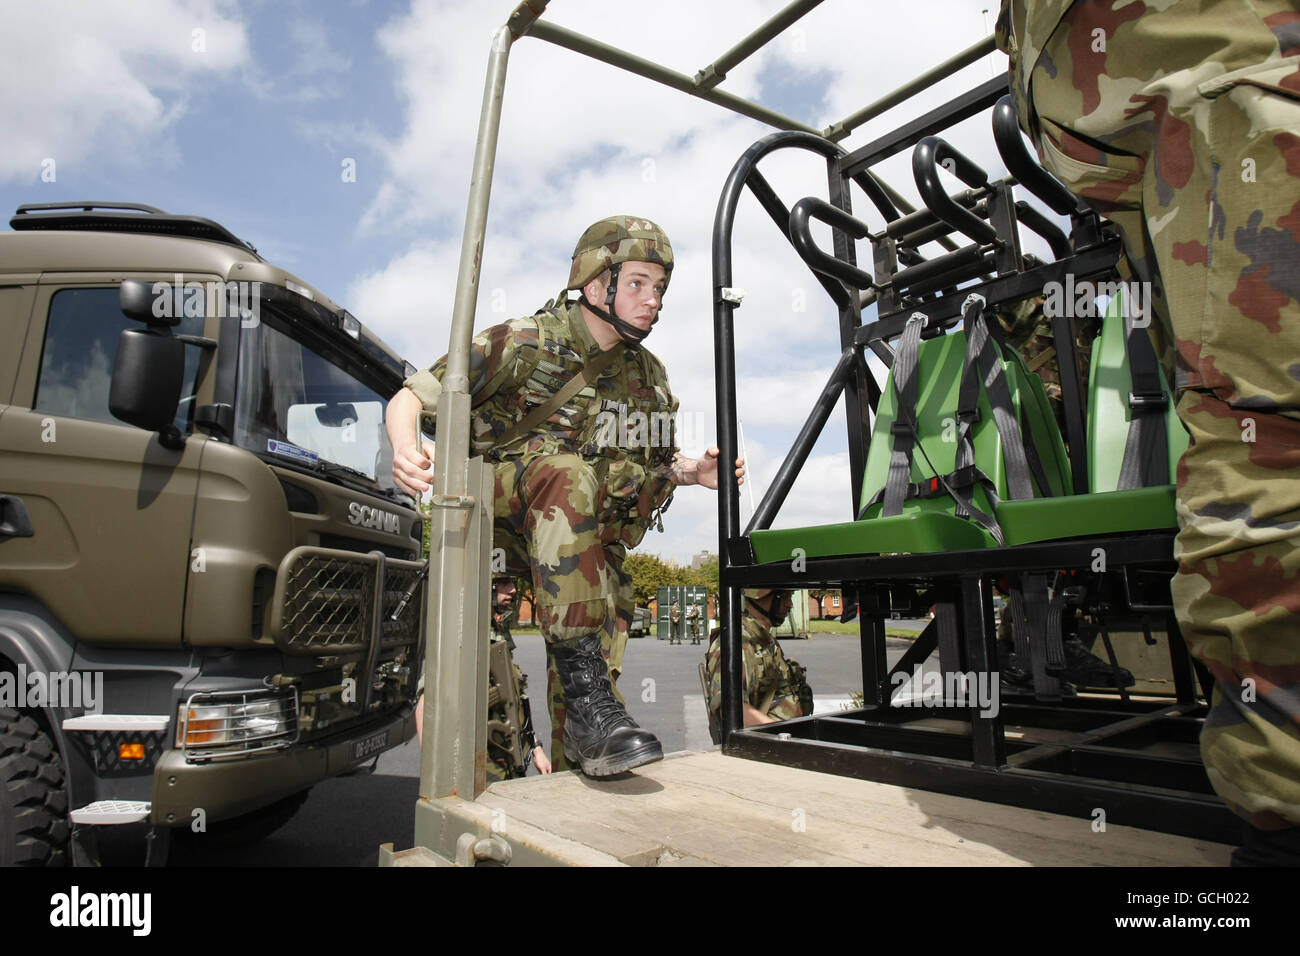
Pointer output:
x,y
337,470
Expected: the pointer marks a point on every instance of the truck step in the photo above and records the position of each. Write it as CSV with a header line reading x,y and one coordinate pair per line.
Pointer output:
x,y
112,812
143,723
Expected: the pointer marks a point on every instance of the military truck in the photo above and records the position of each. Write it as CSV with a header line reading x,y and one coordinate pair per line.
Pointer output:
x,y
207,577
642,620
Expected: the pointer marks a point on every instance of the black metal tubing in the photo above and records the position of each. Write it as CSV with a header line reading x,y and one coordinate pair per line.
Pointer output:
x,y
966,263
1153,548
919,227
803,444
810,207
1035,220
923,646
1006,133
946,310
963,107
1200,816
877,194
724,347
772,205
926,157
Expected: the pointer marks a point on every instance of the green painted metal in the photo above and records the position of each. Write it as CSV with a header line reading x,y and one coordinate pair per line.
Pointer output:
x,y
1082,516
919,532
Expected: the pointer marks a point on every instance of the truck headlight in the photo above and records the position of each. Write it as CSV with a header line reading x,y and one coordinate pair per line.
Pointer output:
x,y
233,723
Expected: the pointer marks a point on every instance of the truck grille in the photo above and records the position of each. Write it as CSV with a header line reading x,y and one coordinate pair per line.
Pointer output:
x,y
325,601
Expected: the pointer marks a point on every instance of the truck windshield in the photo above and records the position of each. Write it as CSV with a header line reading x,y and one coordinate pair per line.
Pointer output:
x,y
310,405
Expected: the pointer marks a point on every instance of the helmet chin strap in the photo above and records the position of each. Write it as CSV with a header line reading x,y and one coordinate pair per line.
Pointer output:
x,y
772,611
626,331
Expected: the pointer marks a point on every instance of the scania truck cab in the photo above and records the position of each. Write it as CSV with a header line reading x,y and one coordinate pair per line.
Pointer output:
x,y
207,576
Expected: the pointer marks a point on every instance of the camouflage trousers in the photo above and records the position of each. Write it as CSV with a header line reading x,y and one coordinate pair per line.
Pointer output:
x,y
1180,121
553,517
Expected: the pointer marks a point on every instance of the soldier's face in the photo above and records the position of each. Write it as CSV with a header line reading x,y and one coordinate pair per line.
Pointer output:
x,y
640,293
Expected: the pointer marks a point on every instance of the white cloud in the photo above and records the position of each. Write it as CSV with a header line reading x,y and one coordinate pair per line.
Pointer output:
x,y
89,80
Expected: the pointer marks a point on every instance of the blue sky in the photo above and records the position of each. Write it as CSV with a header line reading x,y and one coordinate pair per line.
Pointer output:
x,y
245,111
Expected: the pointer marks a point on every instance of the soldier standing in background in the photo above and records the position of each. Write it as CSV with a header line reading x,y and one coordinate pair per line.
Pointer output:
x,y
693,616
675,623
572,493
1180,122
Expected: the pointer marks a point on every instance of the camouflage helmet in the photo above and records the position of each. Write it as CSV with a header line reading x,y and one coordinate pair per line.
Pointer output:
x,y
615,240
770,601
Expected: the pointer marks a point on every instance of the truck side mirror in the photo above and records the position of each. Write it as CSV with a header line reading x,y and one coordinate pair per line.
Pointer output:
x,y
149,368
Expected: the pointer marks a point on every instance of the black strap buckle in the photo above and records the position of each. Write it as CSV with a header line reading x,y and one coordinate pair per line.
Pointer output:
x,y
1145,400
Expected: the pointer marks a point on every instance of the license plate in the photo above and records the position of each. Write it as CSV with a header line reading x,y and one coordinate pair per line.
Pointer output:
x,y
370,746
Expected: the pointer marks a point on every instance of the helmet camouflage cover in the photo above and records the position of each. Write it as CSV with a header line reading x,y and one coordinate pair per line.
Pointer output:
x,y
615,240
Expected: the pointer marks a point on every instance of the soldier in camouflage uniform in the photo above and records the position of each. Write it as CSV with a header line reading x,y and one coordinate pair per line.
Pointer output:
x,y
776,688
580,485
503,762
1180,121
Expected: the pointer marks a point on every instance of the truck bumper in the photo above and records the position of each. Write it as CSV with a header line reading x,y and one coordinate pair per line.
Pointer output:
x,y
228,788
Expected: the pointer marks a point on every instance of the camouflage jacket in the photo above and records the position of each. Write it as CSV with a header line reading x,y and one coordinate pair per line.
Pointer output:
x,y
772,684
1023,28
623,423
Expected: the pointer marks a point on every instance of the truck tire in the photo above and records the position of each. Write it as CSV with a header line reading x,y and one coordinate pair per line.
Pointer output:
x,y
247,829
33,796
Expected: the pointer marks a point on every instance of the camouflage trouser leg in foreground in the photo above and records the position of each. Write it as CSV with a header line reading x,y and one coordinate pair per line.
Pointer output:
x,y
613,649
1181,122
553,503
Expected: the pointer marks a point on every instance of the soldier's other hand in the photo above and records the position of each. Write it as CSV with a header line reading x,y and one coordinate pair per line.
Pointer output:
x,y
413,469
541,761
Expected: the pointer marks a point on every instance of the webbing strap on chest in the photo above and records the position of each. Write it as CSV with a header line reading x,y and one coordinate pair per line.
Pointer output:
x,y
587,376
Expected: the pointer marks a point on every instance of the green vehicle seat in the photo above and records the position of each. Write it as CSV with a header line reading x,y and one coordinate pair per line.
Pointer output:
x,y
930,523
929,520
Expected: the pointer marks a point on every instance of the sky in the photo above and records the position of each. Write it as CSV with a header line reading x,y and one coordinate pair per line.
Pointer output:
x,y
337,137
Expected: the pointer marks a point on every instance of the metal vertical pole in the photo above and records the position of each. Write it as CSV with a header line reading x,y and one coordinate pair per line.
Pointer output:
x,y
453,713
730,600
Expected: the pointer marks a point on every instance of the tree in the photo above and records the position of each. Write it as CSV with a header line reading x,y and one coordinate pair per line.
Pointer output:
x,y
707,575
649,573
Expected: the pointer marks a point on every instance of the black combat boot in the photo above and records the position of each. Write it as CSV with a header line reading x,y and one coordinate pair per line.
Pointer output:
x,y
599,736
1085,669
